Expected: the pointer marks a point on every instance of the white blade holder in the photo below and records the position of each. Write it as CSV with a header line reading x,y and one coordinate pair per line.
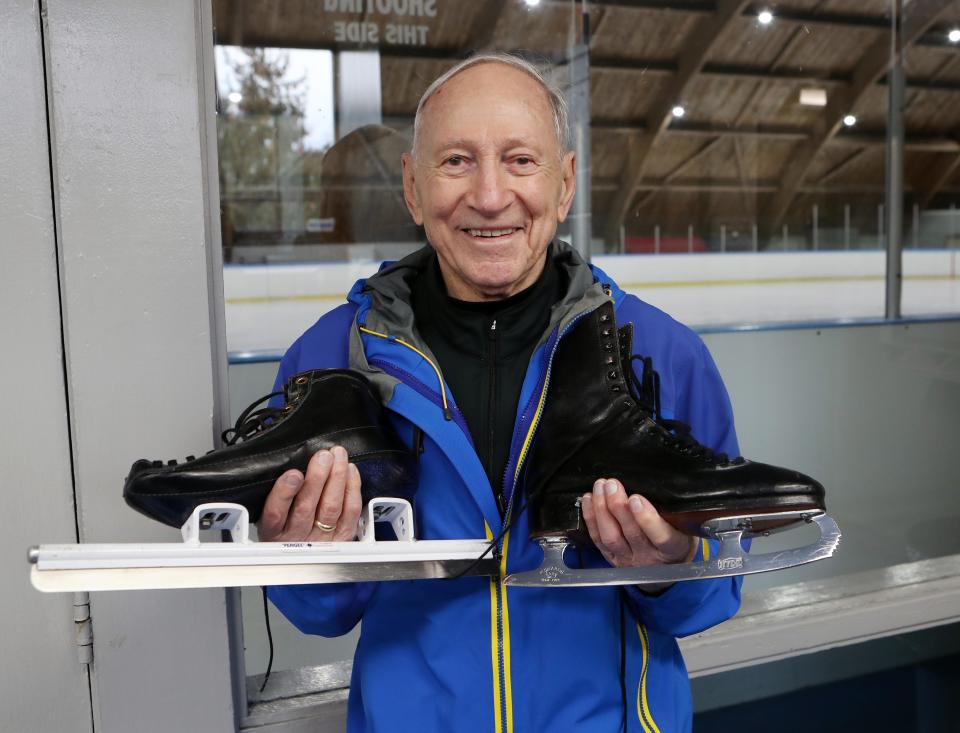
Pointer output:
x,y
730,561
196,564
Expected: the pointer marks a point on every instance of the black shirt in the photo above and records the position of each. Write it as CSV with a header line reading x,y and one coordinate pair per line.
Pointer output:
x,y
483,350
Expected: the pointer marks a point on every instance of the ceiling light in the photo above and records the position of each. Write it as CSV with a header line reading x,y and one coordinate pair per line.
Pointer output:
x,y
532,3
678,111
954,35
850,120
765,17
235,97
813,97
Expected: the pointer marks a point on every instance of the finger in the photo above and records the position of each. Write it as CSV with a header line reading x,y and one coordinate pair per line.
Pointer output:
x,y
590,518
672,544
331,499
607,526
352,504
620,506
303,513
277,506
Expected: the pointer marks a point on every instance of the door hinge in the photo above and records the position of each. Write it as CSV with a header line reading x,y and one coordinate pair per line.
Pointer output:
x,y
83,627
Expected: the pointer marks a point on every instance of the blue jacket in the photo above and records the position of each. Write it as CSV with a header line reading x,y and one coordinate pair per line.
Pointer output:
x,y
472,654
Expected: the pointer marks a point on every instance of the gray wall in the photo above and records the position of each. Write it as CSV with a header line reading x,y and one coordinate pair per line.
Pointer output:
x,y
137,253
36,644
870,411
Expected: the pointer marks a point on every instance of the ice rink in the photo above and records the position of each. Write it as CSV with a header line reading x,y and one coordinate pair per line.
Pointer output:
x,y
268,306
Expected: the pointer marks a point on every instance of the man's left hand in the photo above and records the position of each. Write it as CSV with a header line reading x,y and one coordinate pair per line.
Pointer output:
x,y
629,532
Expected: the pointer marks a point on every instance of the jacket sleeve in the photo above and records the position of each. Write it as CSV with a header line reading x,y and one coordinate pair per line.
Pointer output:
x,y
329,609
690,607
335,608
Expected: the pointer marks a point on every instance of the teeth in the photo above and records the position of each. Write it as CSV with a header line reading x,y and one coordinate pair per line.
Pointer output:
x,y
490,232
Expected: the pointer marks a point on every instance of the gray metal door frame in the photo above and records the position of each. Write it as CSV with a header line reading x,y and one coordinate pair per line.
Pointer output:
x,y
43,685
113,322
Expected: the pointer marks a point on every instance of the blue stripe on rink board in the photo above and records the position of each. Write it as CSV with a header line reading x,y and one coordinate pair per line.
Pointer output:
x,y
267,356
835,323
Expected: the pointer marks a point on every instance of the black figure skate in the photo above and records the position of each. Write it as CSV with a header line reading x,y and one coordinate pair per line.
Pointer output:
x,y
601,420
322,408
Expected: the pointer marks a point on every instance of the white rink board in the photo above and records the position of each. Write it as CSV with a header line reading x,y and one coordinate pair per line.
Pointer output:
x,y
268,306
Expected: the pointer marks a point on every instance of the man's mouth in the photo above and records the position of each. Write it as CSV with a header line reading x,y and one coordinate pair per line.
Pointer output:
x,y
491,233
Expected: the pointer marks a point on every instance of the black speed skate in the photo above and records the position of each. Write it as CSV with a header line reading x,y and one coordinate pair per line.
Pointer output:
x,y
600,419
322,408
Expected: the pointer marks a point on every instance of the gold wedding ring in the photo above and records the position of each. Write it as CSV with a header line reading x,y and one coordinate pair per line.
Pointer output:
x,y
325,527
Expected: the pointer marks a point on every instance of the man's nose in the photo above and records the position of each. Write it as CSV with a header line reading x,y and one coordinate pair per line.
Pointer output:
x,y
491,191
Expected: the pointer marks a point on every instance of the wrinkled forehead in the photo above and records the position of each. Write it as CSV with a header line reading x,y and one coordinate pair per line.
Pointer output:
x,y
490,104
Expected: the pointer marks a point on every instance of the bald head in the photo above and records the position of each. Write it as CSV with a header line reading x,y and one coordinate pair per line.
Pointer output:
x,y
551,95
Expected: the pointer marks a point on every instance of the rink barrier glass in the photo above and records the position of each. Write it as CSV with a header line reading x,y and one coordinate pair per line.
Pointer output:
x,y
315,106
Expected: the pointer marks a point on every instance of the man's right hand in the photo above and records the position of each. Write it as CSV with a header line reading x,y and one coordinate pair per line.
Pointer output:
x,y
328,495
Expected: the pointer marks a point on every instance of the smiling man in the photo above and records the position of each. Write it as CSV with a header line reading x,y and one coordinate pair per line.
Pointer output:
x,y
458,338
489,188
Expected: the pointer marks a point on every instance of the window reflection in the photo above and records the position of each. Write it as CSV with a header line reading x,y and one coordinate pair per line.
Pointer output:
x,y
713,130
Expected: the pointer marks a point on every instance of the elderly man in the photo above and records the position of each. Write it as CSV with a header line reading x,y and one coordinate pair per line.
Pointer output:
x,y
454,337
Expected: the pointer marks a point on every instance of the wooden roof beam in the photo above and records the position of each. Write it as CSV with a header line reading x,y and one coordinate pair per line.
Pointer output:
x,y
841,166
773,132
874,63
733,185
697,47
485,27
937,177
659,67
704,150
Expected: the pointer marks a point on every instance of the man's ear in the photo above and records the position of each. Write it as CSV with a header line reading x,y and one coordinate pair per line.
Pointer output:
x,y
410,189
568,184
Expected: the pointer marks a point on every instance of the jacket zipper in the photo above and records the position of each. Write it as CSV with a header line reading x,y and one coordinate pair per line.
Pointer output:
x,y
524,449
491,410
447,414
501,590
496,581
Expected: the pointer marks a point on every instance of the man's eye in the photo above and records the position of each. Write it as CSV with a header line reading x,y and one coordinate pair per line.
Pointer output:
x,y
524,162
455,160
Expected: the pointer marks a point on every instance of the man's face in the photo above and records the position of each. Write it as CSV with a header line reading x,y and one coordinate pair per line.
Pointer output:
x,y
487,180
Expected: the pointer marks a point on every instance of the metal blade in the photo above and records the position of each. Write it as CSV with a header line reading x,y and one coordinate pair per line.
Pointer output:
x,y
63,568
730,561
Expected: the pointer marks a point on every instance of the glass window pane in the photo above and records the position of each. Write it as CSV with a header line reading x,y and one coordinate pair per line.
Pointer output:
x,y
723,161
733,171
932,202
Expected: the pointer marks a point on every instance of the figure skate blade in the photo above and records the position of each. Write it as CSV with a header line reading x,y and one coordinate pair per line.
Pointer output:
x,y
731,560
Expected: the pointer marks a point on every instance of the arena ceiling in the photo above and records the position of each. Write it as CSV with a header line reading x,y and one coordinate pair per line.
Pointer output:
x,y
746,146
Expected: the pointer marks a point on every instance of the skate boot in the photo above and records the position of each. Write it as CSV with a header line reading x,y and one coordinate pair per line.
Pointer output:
x,y
322,408
601,420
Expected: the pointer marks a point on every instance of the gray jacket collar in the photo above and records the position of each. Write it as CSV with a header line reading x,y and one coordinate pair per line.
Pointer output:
x,y
391,312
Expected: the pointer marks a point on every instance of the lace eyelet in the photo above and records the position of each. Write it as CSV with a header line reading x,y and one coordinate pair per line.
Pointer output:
x,y
301,380
612,375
